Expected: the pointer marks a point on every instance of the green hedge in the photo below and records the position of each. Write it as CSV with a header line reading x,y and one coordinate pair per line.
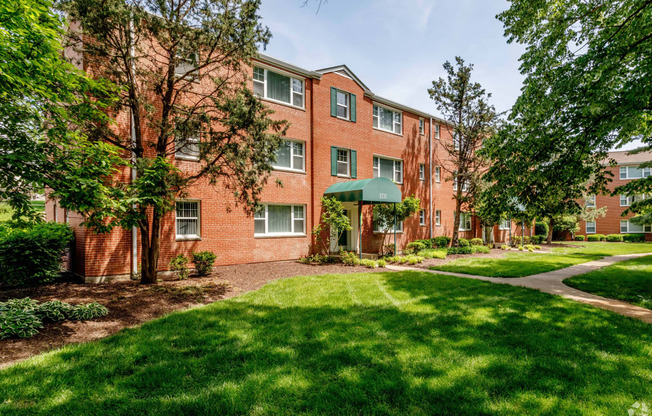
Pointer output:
x,y
614,238
477,242
460,250
634,238
596,237
441,241
579,238
32,254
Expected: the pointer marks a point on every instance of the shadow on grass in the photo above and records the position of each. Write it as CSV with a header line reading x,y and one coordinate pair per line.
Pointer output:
x,y
384,343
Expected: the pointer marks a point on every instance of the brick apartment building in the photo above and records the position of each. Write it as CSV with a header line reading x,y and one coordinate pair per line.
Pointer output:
x,y
614,222
340,132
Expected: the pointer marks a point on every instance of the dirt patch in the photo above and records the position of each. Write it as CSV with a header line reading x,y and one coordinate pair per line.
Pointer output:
x,y
131,304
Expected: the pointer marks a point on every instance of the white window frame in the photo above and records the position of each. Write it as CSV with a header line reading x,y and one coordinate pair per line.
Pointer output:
x,y
347,106
180,154
292,77
467,220
587,226
437,217
348,162
644,173
264,208
437,174
437,131
398,168
292,168
591,201
422,171
422,126
181,237
376,119
186,66
422,217
399,228
627,201
505,224
465,187
647,228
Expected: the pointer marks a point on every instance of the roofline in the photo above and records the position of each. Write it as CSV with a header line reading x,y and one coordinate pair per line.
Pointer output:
x,y
367,92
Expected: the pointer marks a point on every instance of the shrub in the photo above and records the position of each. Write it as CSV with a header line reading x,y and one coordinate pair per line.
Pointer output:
x,y
476,242
596,237
520,248
463,242
459,250
179,265
21,323
349,258
530,249
382,263
504,247
86,311
432,254
18,304
541,228
579,238
441,241
33,254
480,249
54,310
614,238
516,239
203,262
369,264
414,247
634,238
538,239
537,247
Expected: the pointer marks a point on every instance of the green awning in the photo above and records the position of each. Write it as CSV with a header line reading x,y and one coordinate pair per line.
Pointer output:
x,y
377,190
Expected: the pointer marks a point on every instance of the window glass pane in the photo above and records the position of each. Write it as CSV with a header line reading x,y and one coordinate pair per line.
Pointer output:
x,y
259,226
590,227
259,89
387,168
624,201
278,87
283,155
634,172
623,172
341,112
397,123
635,228
386,119
259,74
398,171
279,218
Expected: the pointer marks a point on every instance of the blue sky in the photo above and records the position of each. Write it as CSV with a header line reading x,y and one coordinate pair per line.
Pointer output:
x,y
397,47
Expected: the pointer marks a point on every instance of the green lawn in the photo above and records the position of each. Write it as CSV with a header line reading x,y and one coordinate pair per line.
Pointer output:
x,y
604,249
407,343
6,211
630,281
514,264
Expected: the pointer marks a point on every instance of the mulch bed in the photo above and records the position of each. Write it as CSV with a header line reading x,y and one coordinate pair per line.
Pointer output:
x,y
131,303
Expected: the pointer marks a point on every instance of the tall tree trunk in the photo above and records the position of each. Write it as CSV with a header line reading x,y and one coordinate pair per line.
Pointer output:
x,y
456,223
150,249
551,224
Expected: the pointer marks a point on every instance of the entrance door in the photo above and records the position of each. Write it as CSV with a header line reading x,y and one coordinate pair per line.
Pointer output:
x,y
345,237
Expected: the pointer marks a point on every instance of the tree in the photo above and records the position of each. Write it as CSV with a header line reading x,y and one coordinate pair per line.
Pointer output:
x,y
587,87
44,101
387,215
182,72
469,119
333,222
635,190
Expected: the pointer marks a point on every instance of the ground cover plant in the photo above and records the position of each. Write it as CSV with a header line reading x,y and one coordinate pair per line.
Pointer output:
x,y
630,281
369,343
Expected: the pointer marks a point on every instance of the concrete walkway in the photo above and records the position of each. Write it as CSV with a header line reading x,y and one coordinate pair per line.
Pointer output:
x,y
551,282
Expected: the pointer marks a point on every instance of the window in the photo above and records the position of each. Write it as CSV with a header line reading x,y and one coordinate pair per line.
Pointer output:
x,y
590,201
626,226
278,87
342,105
388,120
465,221
422,126
633,172
438,217
290,156
187,136
437,174
626,201
186,64
436,131
422,217
391,169
590,227
343,162
387,228
465,188
187,219
279,220
422,172
505,224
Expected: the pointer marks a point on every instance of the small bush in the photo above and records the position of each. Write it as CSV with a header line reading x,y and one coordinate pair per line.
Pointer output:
x,y
537,247
516,239
21,323
463,242
480,249
305,260
414,247
520,248
538,239
441,241
541,228
349,258
432,254
530,249
369,264
86,311
54,310
179,265
596,237
203,262
33,254
476,242
634,238
392,259
614,238
459,250
504,247
579,238
381,263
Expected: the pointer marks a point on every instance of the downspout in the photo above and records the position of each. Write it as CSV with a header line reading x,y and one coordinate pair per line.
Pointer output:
x,y
134,230
430,180
312,165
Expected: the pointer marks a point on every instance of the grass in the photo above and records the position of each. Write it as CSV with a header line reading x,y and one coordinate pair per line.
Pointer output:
x,y
6,211
379,343
603,249
630,281
514,264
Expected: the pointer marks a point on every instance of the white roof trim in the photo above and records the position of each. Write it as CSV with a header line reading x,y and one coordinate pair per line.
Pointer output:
x,y
348,72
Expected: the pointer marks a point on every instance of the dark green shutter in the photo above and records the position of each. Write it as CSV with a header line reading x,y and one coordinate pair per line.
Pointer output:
x,y
353,108
333,101
354,164
333,161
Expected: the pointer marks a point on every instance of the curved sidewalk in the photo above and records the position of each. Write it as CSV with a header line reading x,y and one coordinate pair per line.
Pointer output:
x,y
551,282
